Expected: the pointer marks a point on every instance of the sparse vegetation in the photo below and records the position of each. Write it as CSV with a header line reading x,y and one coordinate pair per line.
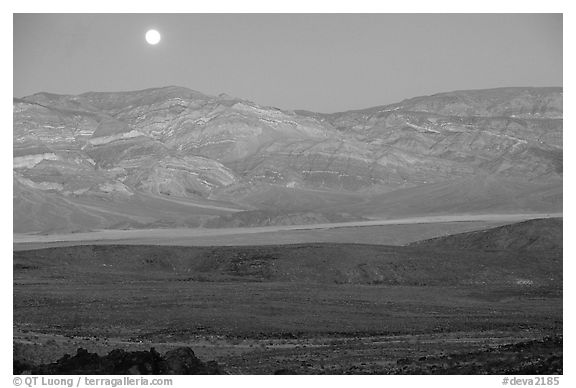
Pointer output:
x,y
309,308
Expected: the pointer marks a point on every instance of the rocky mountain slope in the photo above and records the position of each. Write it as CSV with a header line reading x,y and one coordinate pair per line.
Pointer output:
x,y
176,157
542,234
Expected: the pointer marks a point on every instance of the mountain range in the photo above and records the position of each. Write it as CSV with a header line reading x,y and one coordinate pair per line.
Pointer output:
x,y
174,157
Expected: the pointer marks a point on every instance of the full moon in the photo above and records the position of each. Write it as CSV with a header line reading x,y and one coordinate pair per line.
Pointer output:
x,y
153,37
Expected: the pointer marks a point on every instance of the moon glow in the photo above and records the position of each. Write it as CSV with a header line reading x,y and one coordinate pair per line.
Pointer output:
x,y
153,37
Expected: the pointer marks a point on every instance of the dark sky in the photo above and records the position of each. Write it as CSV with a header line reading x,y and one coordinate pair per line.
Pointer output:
x,y
318,62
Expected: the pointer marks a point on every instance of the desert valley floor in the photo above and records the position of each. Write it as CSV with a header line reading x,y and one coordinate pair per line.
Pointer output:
x,y
488,300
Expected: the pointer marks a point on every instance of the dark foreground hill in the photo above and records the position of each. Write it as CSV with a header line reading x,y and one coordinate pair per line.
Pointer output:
x,y
540,234
527,253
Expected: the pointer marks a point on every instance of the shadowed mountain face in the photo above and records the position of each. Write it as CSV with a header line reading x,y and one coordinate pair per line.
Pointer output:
x,y
542,234
175,157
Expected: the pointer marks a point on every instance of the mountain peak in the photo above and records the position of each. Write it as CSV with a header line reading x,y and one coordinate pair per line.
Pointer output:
x,y
137,155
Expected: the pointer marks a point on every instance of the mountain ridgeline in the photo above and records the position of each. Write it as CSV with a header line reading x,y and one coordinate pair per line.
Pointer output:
x,y
174,157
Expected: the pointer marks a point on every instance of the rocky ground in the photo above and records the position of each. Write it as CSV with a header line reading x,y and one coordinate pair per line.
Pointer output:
x,y
488,352
468,303
180,361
